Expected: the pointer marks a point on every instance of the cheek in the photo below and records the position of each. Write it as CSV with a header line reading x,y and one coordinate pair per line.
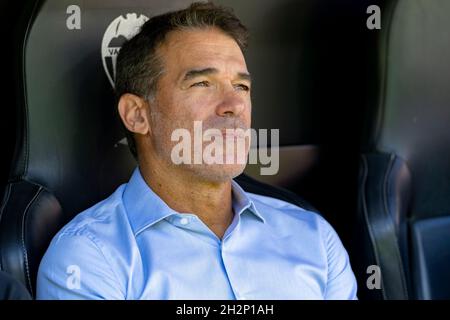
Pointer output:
x,y
247,114
173,110
196,105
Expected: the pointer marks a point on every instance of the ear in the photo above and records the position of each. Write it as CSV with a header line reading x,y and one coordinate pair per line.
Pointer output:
x,y
133,112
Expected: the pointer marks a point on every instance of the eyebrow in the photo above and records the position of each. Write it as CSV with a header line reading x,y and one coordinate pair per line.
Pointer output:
x,y
208,71
245,76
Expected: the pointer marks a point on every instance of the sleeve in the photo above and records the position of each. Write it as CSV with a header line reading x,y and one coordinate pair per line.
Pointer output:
x,y
74,268
341,283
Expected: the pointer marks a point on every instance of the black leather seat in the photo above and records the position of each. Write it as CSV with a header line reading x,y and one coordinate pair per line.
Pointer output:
x,y
67,156
8,16
69,152
12,289
404,199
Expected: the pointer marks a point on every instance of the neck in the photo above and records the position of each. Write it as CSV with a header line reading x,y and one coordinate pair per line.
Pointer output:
x,y
185,193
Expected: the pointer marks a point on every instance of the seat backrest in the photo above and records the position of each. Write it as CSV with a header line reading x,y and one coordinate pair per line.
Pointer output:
x,y
8,15
68,154
405,186
70,151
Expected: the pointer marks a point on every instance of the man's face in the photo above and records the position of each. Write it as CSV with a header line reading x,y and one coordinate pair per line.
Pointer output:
x,y
205,79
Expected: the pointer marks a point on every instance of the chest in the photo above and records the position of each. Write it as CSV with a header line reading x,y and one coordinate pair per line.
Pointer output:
x,y
191,268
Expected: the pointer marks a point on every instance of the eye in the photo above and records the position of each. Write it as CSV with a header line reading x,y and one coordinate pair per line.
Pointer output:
x,y
242,87
201,84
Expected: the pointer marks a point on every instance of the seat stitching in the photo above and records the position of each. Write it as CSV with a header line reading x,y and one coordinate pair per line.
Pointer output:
x,y
385,203
24,249
367,220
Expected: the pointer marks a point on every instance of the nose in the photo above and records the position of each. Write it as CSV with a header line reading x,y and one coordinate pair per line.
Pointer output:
x,y
232,104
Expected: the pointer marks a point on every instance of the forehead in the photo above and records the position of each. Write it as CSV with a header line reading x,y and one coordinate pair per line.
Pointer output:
x,y
200,47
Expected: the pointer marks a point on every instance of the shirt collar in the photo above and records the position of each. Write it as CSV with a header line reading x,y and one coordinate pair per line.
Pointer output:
x,y
145,208
241,201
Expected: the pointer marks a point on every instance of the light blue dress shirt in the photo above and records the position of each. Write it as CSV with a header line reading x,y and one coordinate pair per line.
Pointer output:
x,y
133,246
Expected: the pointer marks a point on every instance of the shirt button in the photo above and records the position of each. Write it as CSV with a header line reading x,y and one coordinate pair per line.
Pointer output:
x,y
184,221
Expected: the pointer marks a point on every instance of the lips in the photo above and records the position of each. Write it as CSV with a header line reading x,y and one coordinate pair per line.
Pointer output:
x,y
230,134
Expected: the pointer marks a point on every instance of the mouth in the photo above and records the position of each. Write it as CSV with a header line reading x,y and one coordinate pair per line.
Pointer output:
x,y
229,133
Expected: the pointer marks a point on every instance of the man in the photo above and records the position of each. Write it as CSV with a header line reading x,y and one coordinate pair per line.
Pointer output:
x,y
188,231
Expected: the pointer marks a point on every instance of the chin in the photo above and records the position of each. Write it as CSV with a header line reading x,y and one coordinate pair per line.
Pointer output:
x,y
218,172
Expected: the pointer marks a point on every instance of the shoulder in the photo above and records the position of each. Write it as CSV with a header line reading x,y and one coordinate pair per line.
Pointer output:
x,y
86,246
93,235
95,221
303,225
276,210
